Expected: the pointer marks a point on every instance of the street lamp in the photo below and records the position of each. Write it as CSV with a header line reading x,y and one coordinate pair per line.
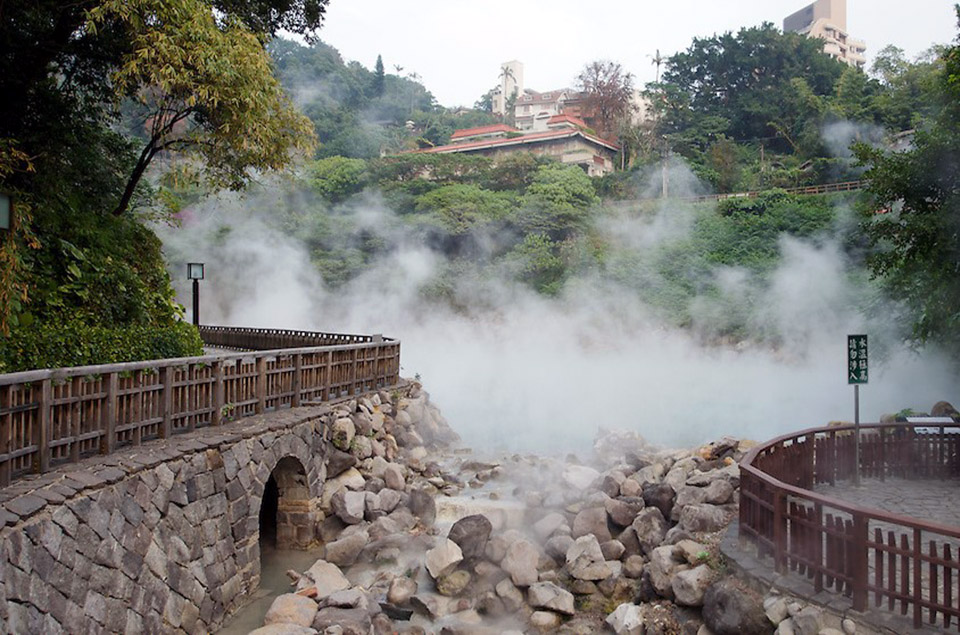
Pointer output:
x,y
6,211
195,273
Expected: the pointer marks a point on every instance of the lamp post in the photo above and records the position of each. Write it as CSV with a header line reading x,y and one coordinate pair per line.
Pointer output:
x,y
195,273
6,211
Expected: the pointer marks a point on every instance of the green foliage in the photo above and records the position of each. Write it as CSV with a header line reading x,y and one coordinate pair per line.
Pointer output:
x,y
74,343
337,178
916,241
460,208
558,201
536,262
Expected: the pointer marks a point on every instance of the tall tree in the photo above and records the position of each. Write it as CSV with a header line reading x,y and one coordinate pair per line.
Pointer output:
x,y
378,77
608,90
917,239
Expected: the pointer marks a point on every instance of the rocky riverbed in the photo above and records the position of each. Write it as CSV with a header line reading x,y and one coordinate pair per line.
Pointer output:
x,y
420,536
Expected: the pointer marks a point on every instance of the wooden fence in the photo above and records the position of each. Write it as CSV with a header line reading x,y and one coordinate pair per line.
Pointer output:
x,y
901,562
827,188
55,416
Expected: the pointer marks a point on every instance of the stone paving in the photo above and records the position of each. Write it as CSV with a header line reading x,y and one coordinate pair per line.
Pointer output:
x,y
927,499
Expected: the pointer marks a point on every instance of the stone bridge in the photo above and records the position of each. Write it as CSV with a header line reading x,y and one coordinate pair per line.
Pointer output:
x,y
163,534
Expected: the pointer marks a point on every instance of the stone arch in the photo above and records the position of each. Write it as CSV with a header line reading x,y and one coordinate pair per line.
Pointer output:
x,y
295,512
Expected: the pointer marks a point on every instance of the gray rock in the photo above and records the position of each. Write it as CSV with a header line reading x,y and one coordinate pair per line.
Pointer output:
x,y
659,496
690,585
591,521
520,561
349,506
291,608
703,518
544,620
623,510
453,584
661,569
585,559
284,629
389,499
547,595
350,621
633,566
775,608
344,551
808,621
423,506
579,477
471,534
401,590
443,558
338,462
342,433
393,477
650,527
612,549
731,609
718,492
626,619
326,576
512,596
687,495
558,546
545,527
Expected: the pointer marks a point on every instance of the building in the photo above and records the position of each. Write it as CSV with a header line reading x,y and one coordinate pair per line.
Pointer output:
x,y
563,137
827,20
511,83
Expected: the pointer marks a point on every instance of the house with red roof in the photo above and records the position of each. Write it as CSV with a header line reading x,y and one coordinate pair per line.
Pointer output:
x,y
563,137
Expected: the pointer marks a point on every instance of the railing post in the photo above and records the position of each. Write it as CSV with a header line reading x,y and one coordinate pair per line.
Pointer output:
x,y
779,530
295,384
109,424
917,585
883,453
166,402
818,548
859,568
328,383
6,467
42,432
216,394
353,373
261,384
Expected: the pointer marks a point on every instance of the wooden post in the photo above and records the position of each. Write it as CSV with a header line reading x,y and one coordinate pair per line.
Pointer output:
x,y
295,384
166,402
108,426
779,531
328,383
353,373
216,395
42,432
6,401
378,340
859,565
917,585
261,384
818,548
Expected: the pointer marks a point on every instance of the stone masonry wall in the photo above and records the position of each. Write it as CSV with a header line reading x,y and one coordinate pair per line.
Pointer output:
x,y
158,538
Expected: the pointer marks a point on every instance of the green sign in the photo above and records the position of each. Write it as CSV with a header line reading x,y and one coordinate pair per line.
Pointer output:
x,y
857,366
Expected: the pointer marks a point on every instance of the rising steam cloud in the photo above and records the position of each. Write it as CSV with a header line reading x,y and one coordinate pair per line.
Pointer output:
x,y
518,371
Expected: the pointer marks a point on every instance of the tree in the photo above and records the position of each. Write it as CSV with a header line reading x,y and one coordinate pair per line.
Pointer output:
x,y
608,96
378,77
209,91
485,103
558,201
917,240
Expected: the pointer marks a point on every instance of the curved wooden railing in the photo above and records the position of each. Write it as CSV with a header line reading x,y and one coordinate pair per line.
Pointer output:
x,y
56,416
902,562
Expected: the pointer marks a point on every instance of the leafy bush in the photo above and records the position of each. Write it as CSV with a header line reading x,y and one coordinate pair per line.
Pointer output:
x,y
53,345
338,178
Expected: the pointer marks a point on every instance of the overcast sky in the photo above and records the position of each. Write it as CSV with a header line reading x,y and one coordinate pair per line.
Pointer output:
x,y
456,46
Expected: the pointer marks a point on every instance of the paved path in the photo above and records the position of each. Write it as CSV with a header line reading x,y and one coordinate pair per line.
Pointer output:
x,y
926,499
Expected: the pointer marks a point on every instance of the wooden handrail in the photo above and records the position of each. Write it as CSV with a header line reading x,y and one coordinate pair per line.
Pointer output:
x,y
829,540
50,417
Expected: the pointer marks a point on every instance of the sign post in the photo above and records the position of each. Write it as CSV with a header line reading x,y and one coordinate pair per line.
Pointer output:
x,y
858,372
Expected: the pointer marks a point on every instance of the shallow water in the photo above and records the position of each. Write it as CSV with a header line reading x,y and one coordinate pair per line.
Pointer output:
x,y
274,564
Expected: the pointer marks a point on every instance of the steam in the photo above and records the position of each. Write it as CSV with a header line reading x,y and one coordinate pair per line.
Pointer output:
x,y
514,370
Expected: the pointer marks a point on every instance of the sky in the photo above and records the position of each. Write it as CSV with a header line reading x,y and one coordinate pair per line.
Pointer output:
x,y
457,46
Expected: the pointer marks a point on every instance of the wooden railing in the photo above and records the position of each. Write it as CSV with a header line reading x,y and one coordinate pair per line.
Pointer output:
x,y
902,562
827,188
55,416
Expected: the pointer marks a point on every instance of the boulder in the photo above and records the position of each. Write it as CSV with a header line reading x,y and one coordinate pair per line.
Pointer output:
x,y
326,577
690,585
659,496
775,608
623,510
661,569
510,595
585,559
631,487
547,595
730,609
343,552
393,477
633,566
687,495
579,477
284,629
612,549
354,598
350,479
361,447
718,492
349,506
342,433
703,518
544,620
443,558
471,534
626,619
423,506
520,561
349,621
389,499
338,462
290,608
591,521
650,527
808,621
401,590
943,409
453,584
557,547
